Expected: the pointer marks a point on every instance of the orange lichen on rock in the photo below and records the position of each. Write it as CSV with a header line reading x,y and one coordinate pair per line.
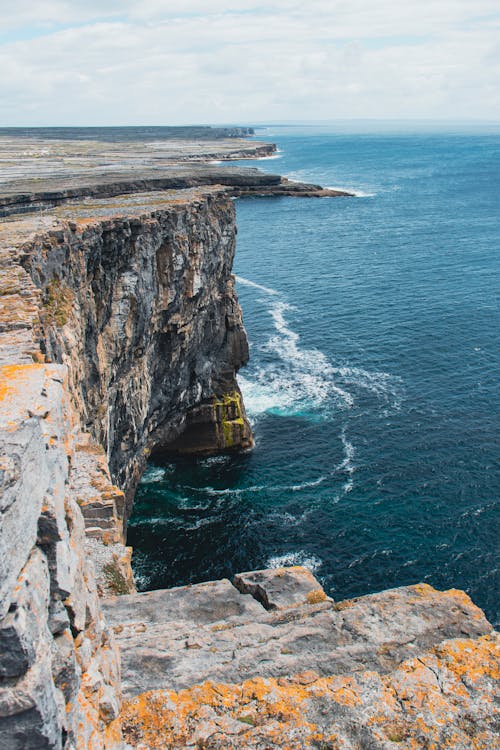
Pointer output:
x,y
316,596
14,378
467,662
423,703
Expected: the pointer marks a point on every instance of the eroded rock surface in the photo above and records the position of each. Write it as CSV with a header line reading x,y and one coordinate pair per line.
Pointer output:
x,y
121,298
409,668
47,173
59,667
138,300
281,588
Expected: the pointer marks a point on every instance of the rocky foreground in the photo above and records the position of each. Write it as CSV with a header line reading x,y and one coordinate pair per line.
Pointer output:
x,y
406,668
121,336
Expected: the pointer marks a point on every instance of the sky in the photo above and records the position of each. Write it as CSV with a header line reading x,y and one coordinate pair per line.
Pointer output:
x,y
163,62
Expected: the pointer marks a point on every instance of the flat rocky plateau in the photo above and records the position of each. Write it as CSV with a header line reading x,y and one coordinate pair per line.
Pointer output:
x,y
61,170
282,665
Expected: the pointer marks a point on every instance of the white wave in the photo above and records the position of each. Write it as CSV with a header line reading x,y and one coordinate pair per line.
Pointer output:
x,y
386,387
312,369
311,562
141,580
247,282
278,155
145,570
347,465
305,485
298,381
208,490
284,519
153,474
233,491
213,492
288,519
349,451
353,191
215,460
261,394
198,524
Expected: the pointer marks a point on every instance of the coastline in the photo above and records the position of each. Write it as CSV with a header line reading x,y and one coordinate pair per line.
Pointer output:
x,y
45,261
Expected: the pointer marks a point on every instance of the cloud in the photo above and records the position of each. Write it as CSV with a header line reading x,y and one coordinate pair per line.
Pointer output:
x,y
160,62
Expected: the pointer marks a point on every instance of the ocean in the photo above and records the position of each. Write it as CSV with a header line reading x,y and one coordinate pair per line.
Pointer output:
x,y
372,388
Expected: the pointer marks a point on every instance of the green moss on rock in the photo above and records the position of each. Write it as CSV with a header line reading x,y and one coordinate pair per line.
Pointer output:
x,y
58,302
228,413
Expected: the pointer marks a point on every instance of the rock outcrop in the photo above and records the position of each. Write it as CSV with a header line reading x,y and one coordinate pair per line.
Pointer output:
x,y
120,335
444,698
270,661
177,638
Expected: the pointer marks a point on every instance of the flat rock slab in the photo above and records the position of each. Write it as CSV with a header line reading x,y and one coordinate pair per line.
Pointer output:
x,y
202,604
281,588
178,638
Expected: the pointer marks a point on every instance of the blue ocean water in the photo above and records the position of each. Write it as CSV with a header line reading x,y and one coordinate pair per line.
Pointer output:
x,y
374,328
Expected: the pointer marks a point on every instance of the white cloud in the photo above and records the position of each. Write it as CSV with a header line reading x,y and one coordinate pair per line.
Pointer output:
x,y
152,62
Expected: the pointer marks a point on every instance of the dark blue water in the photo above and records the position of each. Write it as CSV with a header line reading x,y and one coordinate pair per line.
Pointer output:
x,y
374,326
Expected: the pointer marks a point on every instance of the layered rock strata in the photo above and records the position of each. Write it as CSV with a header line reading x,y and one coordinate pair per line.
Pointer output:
x,y
41,173
211,631
444,698
137,299
238,182
59,666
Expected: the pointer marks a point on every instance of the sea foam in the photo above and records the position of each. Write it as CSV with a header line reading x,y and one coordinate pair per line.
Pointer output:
x,y
311,562
299,380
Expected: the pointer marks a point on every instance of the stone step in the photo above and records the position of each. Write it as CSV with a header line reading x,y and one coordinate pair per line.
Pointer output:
x,y
102,504
176,638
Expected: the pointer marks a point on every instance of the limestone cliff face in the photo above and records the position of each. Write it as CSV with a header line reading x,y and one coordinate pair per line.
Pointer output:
x,y
59,665
142,310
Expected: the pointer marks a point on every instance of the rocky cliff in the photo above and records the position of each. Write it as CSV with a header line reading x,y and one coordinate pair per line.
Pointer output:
x,y
135,303
138,300
120,335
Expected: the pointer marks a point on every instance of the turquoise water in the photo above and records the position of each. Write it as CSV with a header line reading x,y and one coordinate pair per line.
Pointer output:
x,y
373,382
